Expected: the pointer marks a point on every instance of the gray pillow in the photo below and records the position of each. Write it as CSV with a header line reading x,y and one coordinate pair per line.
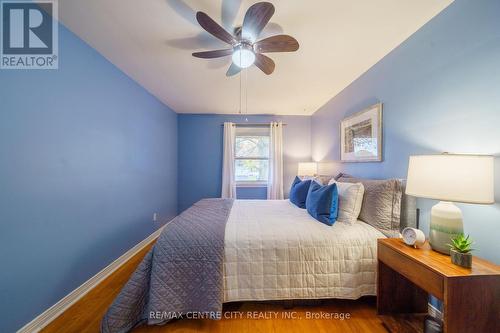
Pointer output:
x,y
325,179
381,203
342,175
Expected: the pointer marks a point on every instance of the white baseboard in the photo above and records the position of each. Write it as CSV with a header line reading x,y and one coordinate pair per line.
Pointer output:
x,y
57,309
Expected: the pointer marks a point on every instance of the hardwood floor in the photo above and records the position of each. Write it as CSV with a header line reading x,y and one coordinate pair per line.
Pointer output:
x,y
362,313
85,315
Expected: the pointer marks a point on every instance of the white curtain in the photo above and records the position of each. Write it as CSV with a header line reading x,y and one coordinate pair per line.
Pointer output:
x,y
228,183
275,186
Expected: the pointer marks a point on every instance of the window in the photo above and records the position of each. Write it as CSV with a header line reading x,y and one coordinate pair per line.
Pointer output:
x,y
251,153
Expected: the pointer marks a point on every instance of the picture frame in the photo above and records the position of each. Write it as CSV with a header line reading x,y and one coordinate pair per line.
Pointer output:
x,y
361,136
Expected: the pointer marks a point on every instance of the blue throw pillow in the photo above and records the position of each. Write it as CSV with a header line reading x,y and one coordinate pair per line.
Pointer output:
x,y
298,192
322,202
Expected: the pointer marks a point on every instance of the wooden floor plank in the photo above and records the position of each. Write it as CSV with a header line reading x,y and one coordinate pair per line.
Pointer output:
x,y
85,315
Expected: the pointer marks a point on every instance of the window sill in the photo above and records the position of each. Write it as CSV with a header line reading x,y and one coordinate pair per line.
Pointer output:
x,y
251,184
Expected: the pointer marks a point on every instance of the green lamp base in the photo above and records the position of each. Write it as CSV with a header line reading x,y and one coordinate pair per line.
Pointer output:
x,y
446,223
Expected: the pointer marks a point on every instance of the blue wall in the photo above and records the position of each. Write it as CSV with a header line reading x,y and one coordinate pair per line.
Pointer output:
x,y
86,157
251,192
200,154
441,92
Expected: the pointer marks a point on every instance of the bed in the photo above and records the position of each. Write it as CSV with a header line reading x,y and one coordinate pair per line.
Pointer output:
x,y
225,250
277,251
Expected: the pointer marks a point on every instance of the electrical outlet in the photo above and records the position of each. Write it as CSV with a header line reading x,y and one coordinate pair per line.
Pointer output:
x,y
156,217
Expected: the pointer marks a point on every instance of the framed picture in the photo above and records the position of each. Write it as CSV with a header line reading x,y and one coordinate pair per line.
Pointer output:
x,y
361,136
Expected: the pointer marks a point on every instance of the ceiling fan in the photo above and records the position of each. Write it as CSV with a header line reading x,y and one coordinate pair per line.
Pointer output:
x,y
245,49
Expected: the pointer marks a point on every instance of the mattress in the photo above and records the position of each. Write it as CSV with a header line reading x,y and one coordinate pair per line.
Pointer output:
x,y
275,250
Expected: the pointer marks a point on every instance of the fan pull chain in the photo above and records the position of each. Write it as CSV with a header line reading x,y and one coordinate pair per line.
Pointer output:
x,y
246,90
240,84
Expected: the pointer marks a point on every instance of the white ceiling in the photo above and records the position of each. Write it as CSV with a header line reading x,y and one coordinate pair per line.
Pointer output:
x,y
152,42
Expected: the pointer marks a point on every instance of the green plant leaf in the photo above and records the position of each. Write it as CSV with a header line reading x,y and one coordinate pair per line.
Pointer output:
x,y
461,243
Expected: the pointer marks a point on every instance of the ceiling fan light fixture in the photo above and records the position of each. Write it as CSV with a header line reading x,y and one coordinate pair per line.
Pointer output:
x,y
243,56
245,49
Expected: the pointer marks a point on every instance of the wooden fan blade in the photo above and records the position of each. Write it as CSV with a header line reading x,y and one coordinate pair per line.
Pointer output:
x,y
265,63
233,70
279,43
256,18
214,28
213,54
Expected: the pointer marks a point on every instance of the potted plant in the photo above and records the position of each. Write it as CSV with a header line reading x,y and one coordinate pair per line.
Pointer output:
x,y
460,251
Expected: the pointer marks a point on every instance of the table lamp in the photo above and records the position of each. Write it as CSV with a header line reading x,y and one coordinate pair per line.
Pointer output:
x,y
450,178
307,169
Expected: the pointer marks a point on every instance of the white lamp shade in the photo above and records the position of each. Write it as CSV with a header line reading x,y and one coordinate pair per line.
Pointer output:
x,y
307,169
451,177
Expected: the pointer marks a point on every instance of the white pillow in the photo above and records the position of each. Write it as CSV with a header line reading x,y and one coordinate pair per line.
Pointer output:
x,y
350,200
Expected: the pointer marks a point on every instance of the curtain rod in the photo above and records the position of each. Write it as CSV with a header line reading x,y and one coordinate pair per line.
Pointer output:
x,y
251,124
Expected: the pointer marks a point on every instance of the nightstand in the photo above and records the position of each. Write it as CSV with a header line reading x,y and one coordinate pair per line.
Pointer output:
x,y
471,297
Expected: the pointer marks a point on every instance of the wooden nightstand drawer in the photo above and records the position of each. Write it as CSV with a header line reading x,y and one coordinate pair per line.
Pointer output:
x,y
412,270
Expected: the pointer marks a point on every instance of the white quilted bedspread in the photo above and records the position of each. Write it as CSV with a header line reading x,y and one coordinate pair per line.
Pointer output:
x,y
275,250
